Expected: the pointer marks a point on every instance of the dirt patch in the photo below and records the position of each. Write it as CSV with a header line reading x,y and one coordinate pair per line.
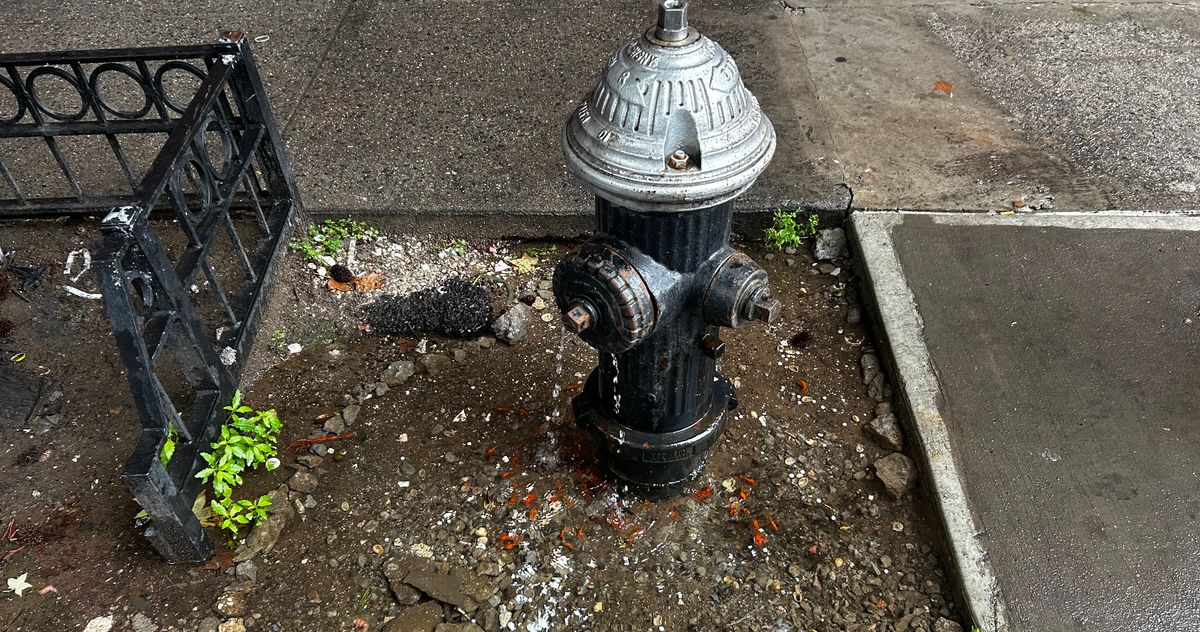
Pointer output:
x,y
474,465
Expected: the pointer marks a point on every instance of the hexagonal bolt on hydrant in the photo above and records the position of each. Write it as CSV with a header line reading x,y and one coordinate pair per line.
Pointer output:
x,y
666,140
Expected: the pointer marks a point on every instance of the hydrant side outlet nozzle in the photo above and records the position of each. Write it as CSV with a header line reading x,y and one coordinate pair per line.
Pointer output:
x,y
654,285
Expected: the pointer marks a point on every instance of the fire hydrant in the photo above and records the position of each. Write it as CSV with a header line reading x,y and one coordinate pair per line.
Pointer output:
x,y
666,140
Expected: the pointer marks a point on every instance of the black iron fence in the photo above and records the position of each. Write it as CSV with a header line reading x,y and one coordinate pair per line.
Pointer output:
x,y
194,229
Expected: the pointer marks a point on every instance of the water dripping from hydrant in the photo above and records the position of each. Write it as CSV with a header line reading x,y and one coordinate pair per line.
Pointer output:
x,y
616,393
559,358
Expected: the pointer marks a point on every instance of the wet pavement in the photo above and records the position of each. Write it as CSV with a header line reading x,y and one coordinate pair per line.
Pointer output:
x,y
1047,363
420,108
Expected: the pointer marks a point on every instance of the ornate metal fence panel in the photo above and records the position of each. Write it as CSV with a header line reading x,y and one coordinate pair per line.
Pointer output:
x,y
190,240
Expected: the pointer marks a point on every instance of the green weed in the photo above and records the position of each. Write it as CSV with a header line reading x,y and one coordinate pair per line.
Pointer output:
x,y
168,448
249,439
788,230
330,236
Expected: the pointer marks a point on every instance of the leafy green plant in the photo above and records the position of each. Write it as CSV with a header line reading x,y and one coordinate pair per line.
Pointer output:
x,y
459,246
168,448
233,514
328,237
789,230
542,252
249,439
278,339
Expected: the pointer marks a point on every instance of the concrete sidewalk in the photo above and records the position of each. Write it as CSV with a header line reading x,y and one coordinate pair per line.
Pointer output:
x,y
454,107
1047,364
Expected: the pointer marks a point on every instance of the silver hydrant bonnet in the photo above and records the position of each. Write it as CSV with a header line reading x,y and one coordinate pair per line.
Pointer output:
x,y
669,124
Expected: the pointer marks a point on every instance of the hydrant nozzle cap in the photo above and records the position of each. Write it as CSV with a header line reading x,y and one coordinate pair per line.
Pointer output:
x,y
669,125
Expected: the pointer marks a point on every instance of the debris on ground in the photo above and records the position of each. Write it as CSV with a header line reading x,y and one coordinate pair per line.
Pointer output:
x,y
513,325
30,277
830,244
455,308
897,473
885,430
1032,202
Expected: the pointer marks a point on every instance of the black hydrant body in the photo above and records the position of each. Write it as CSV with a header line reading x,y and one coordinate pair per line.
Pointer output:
x,y
666,140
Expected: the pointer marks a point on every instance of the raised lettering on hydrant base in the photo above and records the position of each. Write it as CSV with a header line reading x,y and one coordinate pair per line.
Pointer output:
x,y
666,140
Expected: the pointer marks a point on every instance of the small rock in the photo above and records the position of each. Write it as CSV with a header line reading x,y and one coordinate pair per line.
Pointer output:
x,y
398,372
830,244
877,388
442,587
423,617
266,533
142,623
99,624
248,571
208,624
232,625
451,457
458,627
513,325
489,619
335,425
311,460
886,432
460,355
303,482
897,473
294,348
231,604
827,268
395,570
434,363
853,315
945,625
350,414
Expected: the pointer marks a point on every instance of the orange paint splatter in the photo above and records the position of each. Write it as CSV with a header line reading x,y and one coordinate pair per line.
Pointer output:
x,y
771,521
749,480
803,386
508,541
702,494
528,500
760,538
944,87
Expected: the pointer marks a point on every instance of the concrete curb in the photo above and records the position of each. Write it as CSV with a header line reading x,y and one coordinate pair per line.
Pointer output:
x,y
903,331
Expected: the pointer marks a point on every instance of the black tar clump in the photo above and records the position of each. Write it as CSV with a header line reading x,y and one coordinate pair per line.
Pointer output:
x,y
455,308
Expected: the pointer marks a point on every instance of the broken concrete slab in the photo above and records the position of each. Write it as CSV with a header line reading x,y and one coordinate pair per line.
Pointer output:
x,y
1043,362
